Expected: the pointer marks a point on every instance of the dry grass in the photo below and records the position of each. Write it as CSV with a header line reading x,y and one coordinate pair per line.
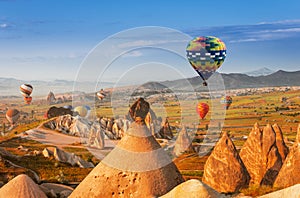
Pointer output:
x,y
256,190
47,169
240,117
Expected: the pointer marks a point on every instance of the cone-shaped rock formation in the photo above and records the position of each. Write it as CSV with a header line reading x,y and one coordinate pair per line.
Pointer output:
x,y
192,189
165,131
290,172
290,192
21,186
224,170
261,156
137,167
282,148
183,143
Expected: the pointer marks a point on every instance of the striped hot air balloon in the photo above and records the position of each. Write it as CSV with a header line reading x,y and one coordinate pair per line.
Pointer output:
x,y
101,94
26,90
226,101
12,115
81,110
202,109
28,99
206,54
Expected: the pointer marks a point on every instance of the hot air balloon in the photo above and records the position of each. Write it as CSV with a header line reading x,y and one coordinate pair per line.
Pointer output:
x,y
26,90
81,110
202,109
12,115
68,107
57,111
28,99
88,108
101,94
226,101
206,54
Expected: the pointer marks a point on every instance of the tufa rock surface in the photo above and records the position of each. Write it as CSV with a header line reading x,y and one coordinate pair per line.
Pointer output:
x,y
21,187
192,189
290,192
183,143
136,167
282,148
224,170
290,172
165,131
261,156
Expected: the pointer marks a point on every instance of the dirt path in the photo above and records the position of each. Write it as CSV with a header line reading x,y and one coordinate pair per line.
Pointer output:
x,y
51,137
60,140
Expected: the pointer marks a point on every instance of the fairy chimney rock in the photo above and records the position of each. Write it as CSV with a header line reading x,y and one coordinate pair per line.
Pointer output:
x,y
298,135
261,156
289,174
282,148
224,170
165,130
51,98
21,186
136,167
193,188
183,143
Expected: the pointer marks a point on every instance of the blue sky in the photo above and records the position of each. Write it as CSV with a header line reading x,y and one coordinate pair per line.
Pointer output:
x,y
46,40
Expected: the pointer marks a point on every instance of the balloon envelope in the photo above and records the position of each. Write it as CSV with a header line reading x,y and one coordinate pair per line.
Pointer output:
x,y
26,90
101,95
28,99
81,110
226,101
68,107
87,107
206,54
12,115
202,109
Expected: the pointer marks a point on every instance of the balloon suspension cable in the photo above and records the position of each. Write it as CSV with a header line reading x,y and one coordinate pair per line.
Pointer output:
x,y
204,83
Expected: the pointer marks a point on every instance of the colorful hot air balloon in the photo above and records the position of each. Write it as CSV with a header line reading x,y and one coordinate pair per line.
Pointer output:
x,y
101,94
28,99
206,54
12,115
68,107
202,109
226,101
26,90
81,110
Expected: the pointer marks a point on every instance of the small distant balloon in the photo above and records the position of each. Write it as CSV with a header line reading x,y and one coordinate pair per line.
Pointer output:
x,y
226,101
101,94
68,107
28,99
12,115
202,109
206,54
26,90
87,107
81,110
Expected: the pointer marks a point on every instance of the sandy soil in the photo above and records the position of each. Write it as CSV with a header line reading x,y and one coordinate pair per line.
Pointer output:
x,y
60,140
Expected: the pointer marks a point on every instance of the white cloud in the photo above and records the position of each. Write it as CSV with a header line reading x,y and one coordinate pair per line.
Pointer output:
x,y
133,54
281,22
139,43
3,25
244,40
288,30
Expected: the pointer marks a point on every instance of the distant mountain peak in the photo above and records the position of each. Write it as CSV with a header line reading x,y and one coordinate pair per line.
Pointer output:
x,y
260,72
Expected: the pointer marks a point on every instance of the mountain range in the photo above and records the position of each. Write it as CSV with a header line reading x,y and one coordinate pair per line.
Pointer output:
x,y
10,86
260,72
237,81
